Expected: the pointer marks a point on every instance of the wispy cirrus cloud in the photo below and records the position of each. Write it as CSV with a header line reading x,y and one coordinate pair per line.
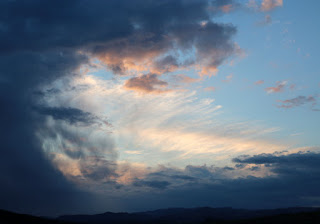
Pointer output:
x,y
174,123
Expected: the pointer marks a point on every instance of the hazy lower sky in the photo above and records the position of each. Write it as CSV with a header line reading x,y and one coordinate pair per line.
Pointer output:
x,y
139,105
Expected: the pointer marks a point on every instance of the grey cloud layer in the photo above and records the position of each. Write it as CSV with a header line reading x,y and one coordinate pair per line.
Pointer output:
x,y
293,181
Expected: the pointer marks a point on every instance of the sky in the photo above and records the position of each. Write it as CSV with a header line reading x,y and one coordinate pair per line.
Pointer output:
x,y
139,105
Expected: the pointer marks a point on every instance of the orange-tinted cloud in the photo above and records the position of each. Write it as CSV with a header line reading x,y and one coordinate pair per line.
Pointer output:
x,y
228,78
259,82
186,79
268,5
122,56
208,44
146,84
210,88
278,88
227,8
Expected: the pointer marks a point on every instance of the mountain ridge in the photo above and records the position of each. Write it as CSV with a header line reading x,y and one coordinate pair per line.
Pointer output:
x,y
205,215
183,215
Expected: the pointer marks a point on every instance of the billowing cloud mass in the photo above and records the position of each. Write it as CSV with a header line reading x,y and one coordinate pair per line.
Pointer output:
x,y
41,42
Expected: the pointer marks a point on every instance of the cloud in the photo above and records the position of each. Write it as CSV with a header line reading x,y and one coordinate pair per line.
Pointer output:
x,y
175,123
227,8
228,78
146,84
71,115
267,20
166,64
27,174
298,101
252,4
210,88
259,181
259,82
153,184
176,43
278,88
186,79
268,5
39,48
56,147
97,168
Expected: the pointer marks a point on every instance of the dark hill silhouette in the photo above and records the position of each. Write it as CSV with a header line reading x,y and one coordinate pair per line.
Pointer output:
x,y
14,218
183,215
204,215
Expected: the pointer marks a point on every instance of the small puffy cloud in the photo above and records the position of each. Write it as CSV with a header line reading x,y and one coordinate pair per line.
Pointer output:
x,y
292,87
227,8
146,84
267,20
228,78
210,89
186,79
259,82
298,101
268,5
252,4
278,88
224,6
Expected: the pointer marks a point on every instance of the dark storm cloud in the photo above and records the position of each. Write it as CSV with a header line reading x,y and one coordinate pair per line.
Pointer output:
x,y
27,176
293,164
116,31
42,41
